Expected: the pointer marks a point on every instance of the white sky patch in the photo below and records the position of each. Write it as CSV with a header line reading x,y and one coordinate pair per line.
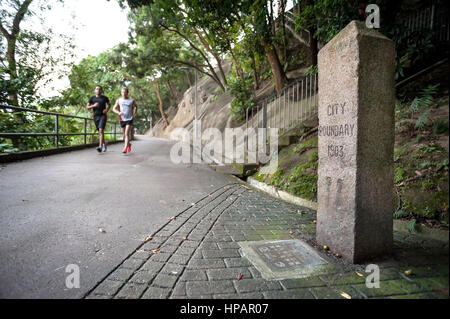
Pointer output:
x,y
95,25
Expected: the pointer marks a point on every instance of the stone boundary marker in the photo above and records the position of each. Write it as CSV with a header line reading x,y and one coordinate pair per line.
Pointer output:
x,y
356,143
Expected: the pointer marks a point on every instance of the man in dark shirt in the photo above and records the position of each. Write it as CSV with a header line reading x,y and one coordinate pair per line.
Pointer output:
x,y
100,105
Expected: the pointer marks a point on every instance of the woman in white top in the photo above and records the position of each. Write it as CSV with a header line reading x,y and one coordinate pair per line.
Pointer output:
x,y
126,107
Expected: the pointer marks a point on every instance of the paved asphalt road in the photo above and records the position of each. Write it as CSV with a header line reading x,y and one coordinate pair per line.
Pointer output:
x,y
52,208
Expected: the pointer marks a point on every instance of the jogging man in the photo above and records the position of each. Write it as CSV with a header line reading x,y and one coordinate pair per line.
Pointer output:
x,y
100,105
126,107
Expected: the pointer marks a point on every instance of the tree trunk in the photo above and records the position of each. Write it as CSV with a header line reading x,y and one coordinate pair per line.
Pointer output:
x,y
313,47
12,70
279,76
188,78
11,38
237,65
214,54
158,94
213,74
172,90
255,72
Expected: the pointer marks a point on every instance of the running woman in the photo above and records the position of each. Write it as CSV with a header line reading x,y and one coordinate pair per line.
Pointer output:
x,y
100,105
126,107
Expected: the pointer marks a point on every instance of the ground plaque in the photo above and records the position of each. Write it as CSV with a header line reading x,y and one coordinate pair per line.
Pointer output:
x,y
284,259
356,143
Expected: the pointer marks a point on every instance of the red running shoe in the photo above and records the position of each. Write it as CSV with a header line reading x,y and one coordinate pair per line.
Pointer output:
x,y
129,148
125,149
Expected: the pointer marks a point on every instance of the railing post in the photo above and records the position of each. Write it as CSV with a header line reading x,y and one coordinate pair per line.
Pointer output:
x,y
85,131
310,93
264,123
56,131
246,118
115,131
432,17
284,107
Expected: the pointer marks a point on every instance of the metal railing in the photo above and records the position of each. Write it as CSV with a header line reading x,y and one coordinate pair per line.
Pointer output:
x,y
433,17
56,134
296,103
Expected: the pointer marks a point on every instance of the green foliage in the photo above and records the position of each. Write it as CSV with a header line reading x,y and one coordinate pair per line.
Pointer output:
x,y
296,61
425,149
421,103
7,148
440,126
312,70
277,177
303,179
443,165
425,98
37,58
425,165
242,90
399,173
412,225
401,213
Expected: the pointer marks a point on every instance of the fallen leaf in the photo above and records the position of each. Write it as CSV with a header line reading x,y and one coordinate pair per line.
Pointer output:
x,y
239,277
418,173
102,230
325,247
156,251
192,204
408,272
345,295
359,274
174,272
267,219
172,218
315,221
149,237
184,238
162,201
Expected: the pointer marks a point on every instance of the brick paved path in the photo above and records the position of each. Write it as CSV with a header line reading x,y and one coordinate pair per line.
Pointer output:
x,y
196,255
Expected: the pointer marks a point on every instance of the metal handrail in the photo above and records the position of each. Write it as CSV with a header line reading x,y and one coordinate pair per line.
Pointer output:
x,y
296,103
56,134
18,108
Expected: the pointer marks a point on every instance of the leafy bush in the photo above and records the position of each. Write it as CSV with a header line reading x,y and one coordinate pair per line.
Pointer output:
x,y
242,91
312,70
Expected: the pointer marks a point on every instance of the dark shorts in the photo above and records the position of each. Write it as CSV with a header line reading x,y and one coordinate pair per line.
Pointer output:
x,y
100,121
125,123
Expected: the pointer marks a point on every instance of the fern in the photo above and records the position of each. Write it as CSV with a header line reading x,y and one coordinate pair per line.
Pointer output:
x,y
412,225
400,214
425,99
422,119
430,90
415,105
